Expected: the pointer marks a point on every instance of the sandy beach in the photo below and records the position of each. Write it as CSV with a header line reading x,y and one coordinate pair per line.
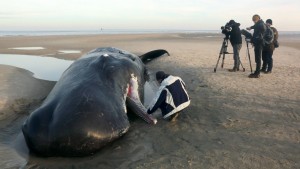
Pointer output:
x,y
233,121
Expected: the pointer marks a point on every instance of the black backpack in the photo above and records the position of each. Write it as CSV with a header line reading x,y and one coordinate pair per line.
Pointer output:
x,y
268,36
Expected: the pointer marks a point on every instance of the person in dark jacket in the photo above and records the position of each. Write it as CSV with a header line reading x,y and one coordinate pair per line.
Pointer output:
x,y
171,97
257,40
235,38
268,50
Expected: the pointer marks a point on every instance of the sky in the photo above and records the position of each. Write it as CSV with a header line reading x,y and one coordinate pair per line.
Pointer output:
x,y
33,15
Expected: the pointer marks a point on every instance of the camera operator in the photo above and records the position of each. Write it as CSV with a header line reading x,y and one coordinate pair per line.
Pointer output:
x,y
257,40
235,38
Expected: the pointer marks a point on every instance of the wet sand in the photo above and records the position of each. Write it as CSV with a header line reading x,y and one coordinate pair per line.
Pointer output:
x,y
232,122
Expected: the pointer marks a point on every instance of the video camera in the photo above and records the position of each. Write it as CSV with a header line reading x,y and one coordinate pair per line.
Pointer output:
x,y
248,35
226,29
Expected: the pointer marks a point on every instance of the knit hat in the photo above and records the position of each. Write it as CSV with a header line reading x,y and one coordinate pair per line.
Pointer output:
x,y
269,21
231,22
160,75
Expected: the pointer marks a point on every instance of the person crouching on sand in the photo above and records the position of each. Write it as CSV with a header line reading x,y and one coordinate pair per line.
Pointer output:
x,y
171,96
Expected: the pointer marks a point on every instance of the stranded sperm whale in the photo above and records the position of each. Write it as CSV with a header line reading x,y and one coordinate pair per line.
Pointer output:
x,y
86,109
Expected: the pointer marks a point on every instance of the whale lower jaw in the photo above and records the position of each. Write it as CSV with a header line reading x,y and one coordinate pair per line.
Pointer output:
x,y
139,109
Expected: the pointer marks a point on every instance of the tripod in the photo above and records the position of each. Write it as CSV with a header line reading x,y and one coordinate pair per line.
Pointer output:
x,y
223,52
248,53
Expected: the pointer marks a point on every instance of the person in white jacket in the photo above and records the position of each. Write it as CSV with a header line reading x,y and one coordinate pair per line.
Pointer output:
x,y
171,97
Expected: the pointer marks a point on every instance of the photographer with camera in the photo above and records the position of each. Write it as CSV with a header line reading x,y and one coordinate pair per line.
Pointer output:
x,y
235,38
257,40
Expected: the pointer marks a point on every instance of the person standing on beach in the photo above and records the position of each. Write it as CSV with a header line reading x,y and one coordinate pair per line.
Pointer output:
x,y
268,50
171,96
235,38
257,40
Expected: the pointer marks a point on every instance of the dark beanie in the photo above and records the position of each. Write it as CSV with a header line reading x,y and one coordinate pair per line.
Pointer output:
x,y
160,75
269,21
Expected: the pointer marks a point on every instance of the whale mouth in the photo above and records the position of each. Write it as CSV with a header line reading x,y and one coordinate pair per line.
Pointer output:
x,y
134,102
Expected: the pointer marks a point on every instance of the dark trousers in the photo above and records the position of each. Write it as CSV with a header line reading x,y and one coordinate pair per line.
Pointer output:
x,y
258,53
267,60
163,108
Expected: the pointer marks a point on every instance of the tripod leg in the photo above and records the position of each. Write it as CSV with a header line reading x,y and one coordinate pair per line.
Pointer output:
x,y
242,65
215,69
221,51
249,57
224,51
222,65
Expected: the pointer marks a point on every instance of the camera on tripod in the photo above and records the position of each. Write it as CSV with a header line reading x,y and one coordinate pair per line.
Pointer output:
x,y
232,30
248,36
248,39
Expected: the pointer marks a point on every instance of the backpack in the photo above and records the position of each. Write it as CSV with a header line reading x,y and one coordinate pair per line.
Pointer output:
x,y
268,36
275,41
276,44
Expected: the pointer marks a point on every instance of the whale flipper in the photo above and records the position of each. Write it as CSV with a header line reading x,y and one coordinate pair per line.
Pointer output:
x,y
149,56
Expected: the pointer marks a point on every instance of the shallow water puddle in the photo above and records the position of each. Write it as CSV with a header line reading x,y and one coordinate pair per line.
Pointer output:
x,y
46,68
69,51
28,48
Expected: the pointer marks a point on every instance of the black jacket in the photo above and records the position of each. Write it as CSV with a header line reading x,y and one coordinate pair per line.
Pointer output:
x,y
235,34
171,97
259,29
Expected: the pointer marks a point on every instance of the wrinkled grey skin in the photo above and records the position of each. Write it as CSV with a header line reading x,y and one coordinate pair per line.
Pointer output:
x,y
86,108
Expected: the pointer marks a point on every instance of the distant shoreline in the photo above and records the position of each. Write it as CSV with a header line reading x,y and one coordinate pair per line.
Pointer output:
x,y
117,32
103,31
